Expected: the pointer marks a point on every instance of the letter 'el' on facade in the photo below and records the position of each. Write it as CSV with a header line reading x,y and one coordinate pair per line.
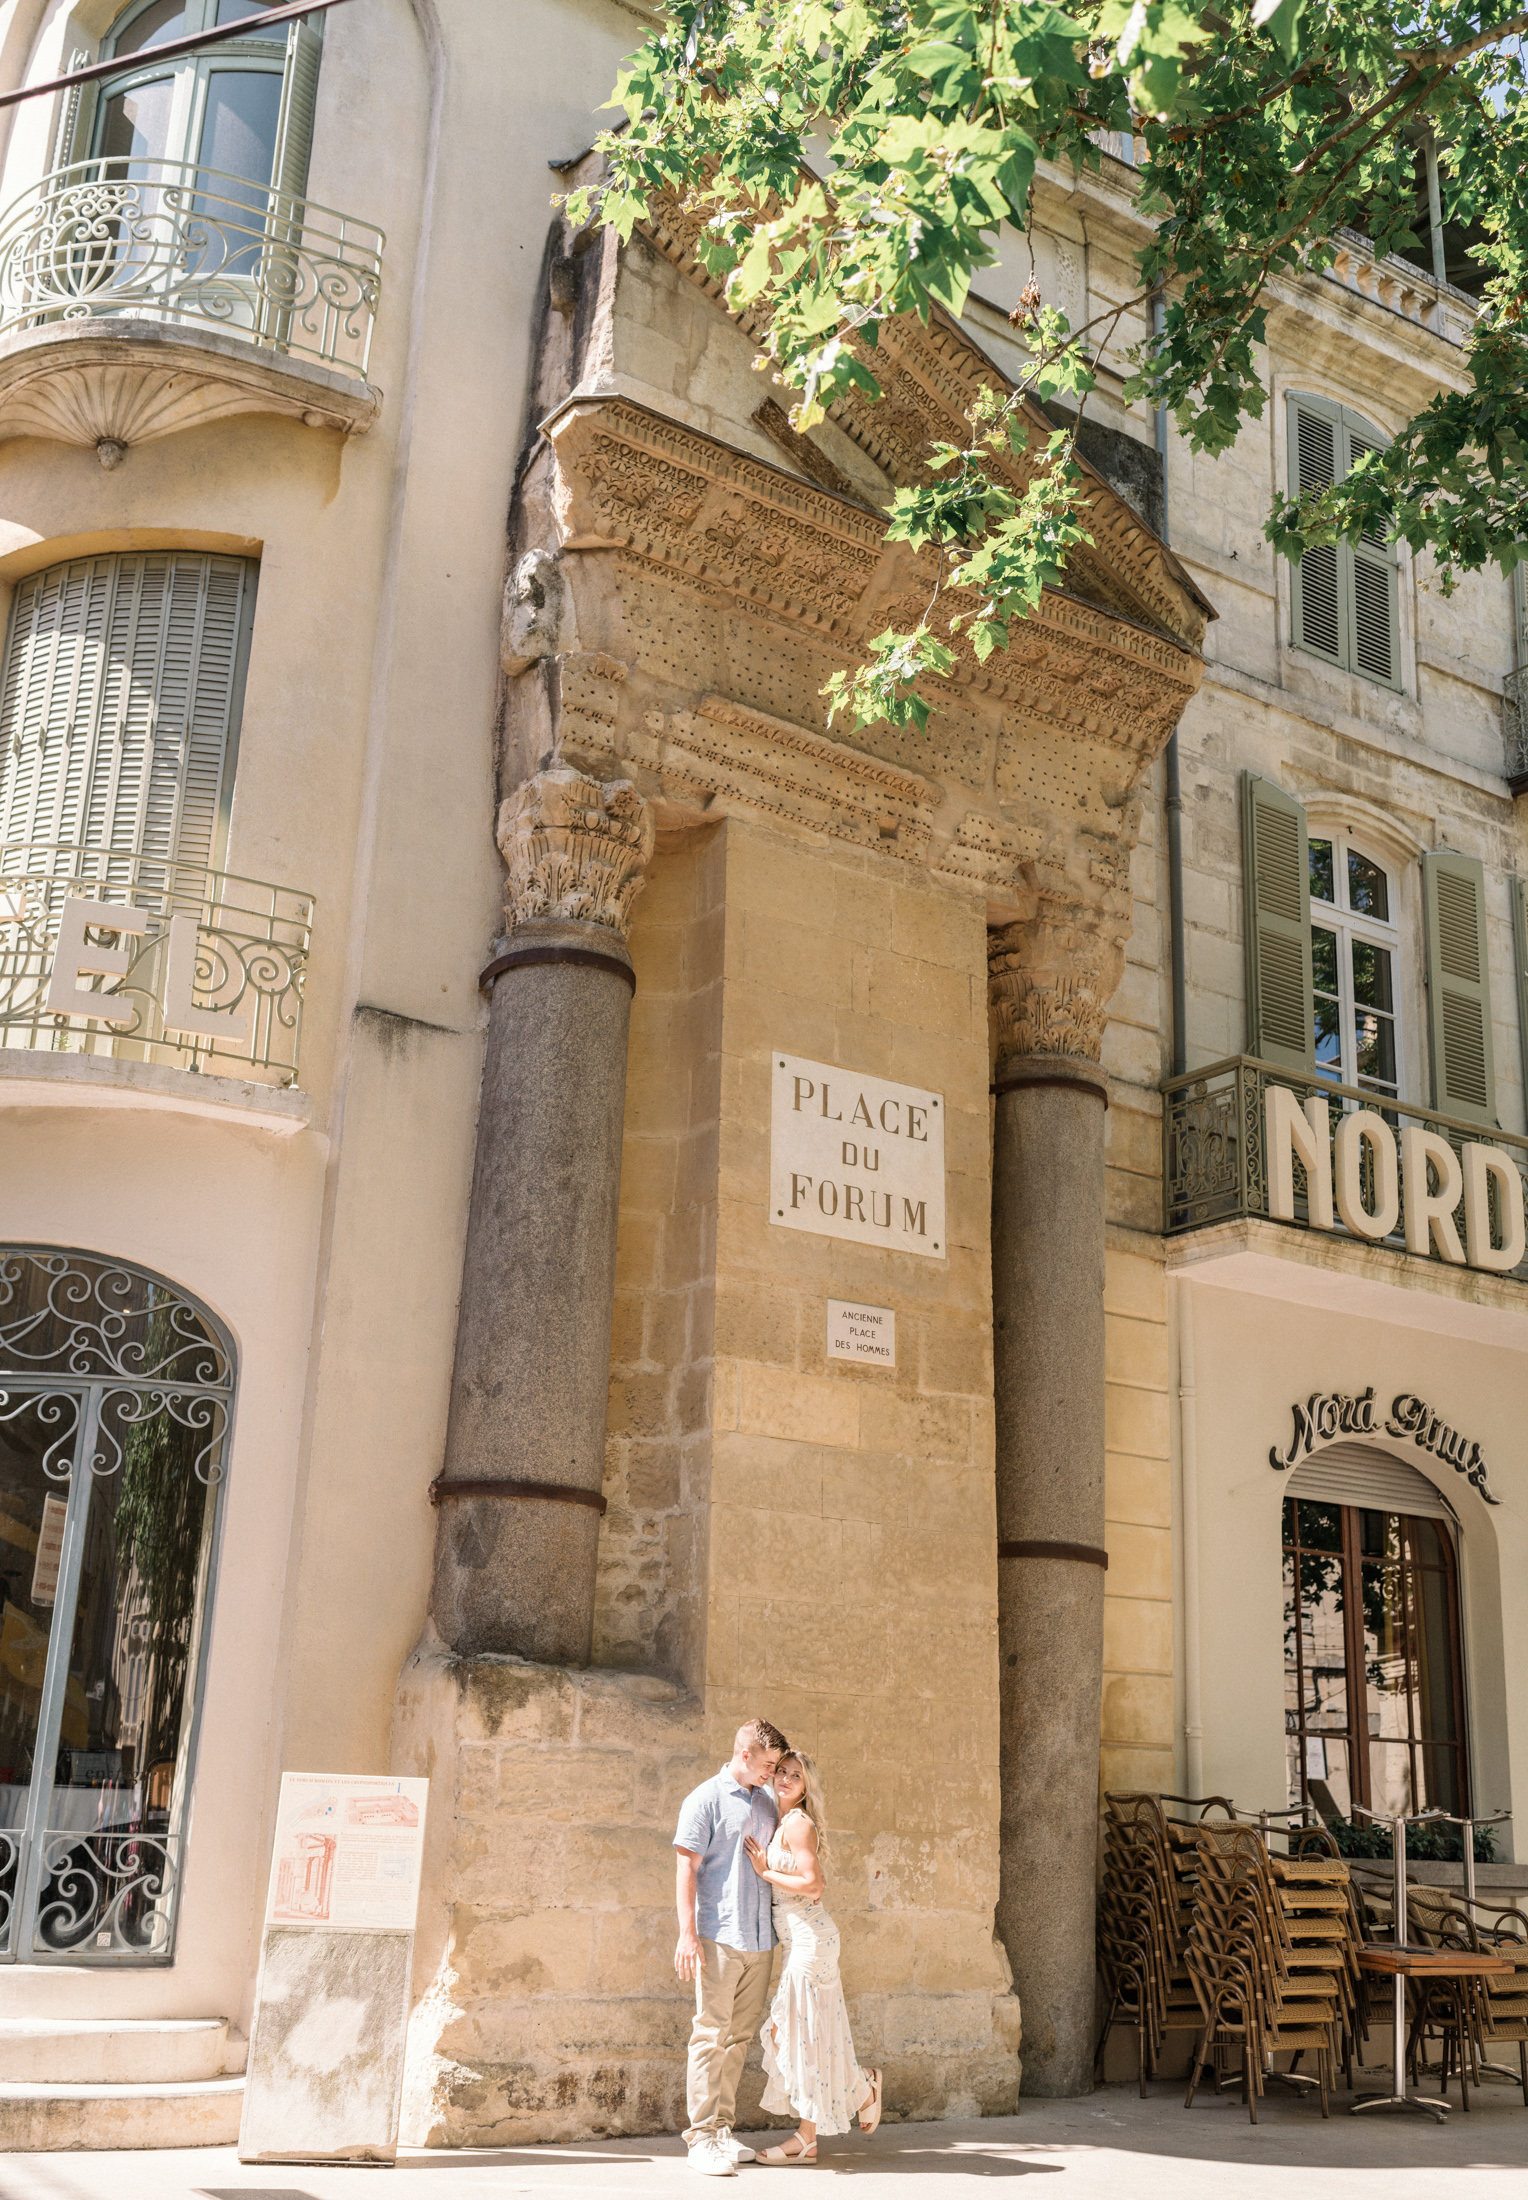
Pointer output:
x,y
1292,1131
888,1194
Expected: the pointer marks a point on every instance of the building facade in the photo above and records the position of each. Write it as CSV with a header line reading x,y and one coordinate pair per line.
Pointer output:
x,y
474,1036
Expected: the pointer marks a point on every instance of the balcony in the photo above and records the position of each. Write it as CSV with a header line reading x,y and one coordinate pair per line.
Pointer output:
x,y
140,298
119,968
1217,1166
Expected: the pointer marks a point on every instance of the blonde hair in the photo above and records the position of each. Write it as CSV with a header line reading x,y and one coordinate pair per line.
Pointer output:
x,y
812,1801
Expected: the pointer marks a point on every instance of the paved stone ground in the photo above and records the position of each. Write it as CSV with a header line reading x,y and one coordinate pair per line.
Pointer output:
x,y
1111,2146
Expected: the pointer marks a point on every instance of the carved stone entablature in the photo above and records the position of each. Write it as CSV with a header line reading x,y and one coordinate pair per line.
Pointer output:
x,y
631,479
105,385
576,849
929,377
763,764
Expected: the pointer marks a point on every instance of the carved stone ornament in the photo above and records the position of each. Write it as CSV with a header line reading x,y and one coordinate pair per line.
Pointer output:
x,y
1051,976
576,849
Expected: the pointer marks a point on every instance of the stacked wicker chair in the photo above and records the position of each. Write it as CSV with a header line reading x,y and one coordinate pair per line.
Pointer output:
x,y
1258,1988
1144,1909
1469,2016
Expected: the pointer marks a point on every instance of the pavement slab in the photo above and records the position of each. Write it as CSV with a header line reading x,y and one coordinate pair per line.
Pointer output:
x,y
1110,2146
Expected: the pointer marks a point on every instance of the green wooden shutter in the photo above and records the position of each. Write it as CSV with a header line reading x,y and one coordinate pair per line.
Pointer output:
x,y
120,700
1520,959
299,96
1375,642
1276,860
1458,986
1317,593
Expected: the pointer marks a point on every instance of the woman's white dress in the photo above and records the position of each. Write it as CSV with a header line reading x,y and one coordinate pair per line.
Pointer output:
x,y
809,2064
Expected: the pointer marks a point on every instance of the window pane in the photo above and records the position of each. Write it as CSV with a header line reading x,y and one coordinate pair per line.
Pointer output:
x,y
1390,1779
1320,1525
107,1865
136,125
32,1507
239,132
234,11
1323,959
1371,976
1328,1034
1439,1770
1322,875
1368,892
1375,1037
165,19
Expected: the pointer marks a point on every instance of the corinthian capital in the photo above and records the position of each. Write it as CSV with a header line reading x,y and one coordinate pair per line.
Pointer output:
x,y
576,849
1049,987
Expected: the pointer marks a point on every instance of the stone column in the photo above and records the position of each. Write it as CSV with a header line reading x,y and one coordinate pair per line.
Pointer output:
x,y
1049,982
519,1494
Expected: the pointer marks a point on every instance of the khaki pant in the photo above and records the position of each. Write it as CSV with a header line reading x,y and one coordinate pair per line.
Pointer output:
x,y
731,1994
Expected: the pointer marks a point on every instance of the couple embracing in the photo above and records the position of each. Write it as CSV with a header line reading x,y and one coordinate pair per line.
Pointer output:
x,y
752,1844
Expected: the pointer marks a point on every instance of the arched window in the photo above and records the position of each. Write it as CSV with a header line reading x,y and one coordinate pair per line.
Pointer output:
x,y
1344,604
242,109
1355,963
116,1396
1373,1677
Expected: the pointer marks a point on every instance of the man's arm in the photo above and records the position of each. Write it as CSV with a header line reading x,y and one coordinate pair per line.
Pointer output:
x,y
686,1879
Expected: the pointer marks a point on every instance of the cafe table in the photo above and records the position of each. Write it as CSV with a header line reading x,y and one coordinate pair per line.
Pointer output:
x,y
1424,1965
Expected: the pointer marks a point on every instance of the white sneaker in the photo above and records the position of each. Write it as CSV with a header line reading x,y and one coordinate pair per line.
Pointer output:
x,y
735,2146
710,2157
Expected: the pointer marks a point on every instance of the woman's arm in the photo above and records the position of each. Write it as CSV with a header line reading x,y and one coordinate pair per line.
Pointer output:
x,y
809,1881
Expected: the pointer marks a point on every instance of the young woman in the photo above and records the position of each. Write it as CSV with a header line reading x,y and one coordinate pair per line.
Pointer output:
x,y
808,2055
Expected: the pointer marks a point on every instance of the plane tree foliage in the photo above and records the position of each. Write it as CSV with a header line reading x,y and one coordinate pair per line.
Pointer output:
x,y
852,161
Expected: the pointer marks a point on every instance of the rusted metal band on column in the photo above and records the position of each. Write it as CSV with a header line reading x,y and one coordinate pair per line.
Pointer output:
x,y
1085,1554
1014,1077
555,1493
522,958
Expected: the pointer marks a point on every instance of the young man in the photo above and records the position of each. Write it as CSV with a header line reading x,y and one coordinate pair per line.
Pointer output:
x,y
726,1936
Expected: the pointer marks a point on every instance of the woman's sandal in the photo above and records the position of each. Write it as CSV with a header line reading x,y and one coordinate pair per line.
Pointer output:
x,y
779,2158
870,2112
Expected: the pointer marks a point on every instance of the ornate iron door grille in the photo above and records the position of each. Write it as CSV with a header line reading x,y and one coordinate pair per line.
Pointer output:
x,y
116,1404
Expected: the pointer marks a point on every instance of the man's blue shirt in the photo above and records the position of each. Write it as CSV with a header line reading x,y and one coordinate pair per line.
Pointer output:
x,y
732,1903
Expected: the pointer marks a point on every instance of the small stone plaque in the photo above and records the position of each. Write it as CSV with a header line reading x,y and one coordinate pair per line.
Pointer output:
x,y
856,1157
862,1333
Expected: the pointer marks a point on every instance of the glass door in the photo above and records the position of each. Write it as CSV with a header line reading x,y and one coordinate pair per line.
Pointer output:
x,y
1373,1676
115,1398
176,206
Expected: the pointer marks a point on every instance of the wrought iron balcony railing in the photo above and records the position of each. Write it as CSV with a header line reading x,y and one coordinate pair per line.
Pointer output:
x,y
160,240
1216,1165
201,970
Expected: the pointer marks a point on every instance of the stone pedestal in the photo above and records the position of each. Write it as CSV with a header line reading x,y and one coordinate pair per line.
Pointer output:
x,y
1048,1313
520,1493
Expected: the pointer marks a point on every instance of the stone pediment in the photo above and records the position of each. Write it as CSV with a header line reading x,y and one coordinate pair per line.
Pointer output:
x,y
929,377
729,524
690,600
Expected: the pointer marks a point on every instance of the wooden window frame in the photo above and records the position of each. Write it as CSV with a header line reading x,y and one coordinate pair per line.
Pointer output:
x,y
1356,1734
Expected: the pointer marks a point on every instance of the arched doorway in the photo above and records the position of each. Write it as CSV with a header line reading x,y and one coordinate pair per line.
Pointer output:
x,y
116,1400
1373,1666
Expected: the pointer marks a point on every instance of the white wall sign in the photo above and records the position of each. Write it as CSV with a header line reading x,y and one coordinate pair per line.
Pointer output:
x,y
862,1333
856,1157
348,1851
